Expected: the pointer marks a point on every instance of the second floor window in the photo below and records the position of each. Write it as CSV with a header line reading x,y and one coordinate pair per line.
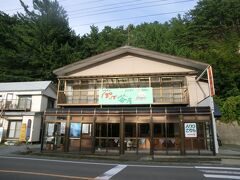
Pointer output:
x,y
24,102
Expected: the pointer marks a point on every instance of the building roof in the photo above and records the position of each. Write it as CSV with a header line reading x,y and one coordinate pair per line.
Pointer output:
x,y
199,66
25,86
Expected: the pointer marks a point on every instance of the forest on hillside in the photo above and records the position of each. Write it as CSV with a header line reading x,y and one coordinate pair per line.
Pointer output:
x,y
34,43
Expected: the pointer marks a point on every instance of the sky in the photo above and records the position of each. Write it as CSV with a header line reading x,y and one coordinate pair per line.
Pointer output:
x,y
84,13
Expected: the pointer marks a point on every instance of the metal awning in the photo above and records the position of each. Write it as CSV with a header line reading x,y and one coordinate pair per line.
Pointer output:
x,y
129,110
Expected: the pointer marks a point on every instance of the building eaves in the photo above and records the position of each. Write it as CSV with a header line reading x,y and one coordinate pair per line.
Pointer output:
x,y
24,86
131,50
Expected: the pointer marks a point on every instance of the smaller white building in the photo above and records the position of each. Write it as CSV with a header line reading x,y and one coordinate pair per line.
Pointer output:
x,y
22,105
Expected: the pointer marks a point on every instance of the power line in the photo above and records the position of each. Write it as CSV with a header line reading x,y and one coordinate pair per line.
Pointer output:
x,y
126,2
59,4
127,9
105,5
122,19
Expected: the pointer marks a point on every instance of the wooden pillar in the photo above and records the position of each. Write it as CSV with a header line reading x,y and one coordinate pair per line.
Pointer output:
x,y
43,131
182,142
151,135
122,135
67,133
137,134
94,132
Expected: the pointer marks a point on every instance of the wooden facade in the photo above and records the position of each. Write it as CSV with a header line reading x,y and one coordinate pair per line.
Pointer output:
x,y
83,123
108,130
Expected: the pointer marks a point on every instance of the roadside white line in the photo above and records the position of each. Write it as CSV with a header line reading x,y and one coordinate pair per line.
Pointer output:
x,y
220,172
60,161
94,163
221,176
212,167
110,173
115,164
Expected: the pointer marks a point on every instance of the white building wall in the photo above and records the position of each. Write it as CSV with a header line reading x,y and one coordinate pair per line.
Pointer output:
x,y
17,93
130,65
35,127
36,103
39,104
44,103
197,90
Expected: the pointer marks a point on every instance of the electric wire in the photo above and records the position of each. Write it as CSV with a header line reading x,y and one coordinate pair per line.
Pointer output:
x,y
127,9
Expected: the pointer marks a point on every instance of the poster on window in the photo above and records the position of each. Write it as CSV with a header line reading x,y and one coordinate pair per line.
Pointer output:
x,y
86,128
75,130
50,129
63,126
190,129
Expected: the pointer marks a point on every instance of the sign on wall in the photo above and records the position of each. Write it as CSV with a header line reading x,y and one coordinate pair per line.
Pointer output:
x,y
126,96
190,129
23,131
75,130
210,81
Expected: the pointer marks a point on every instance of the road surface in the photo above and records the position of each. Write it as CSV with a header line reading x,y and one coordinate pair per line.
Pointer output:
x,y
21,168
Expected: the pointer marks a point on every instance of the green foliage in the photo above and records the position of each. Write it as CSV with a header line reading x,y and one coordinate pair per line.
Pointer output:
x,y
36,42
231,109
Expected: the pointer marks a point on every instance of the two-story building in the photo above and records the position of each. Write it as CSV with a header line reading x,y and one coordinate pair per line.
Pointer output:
x,y
132,100
22,105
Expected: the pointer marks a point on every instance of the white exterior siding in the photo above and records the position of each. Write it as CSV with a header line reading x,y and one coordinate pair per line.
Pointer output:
x,y
44,103
197,90
130,65
39,101
36,103
35,127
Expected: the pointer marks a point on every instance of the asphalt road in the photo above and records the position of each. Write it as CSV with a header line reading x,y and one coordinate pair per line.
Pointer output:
x,y
20,168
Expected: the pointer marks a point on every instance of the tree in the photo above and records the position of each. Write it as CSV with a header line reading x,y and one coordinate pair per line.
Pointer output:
x,y
231,109
48,35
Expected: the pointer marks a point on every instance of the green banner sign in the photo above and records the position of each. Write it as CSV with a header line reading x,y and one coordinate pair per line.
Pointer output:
x,y
126,96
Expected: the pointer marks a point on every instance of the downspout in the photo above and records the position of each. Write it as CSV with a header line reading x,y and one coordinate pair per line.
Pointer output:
x,y
211,94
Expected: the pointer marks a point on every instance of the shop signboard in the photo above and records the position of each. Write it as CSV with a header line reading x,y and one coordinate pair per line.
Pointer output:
x,y
113,96
22,136
190,129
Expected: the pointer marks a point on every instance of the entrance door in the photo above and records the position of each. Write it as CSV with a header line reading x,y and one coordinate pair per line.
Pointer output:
x,y
197,138
107,137
130,138
55,136
74,136
14,129
86,137
144,138
167,138
137,138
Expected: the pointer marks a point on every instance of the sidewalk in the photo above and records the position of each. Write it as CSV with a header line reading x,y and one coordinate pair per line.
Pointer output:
x,y
228,155
17,149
